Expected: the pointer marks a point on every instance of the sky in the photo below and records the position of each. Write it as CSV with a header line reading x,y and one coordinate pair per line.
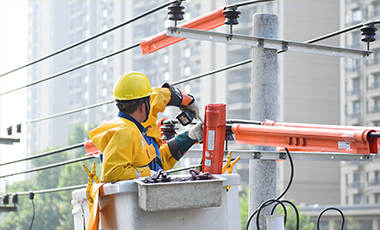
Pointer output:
x,y
13,54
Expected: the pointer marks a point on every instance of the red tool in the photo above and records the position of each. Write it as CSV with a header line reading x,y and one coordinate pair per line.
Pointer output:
x,y
214,132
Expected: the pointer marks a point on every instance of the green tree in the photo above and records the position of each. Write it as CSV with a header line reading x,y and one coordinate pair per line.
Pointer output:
x,y
52,210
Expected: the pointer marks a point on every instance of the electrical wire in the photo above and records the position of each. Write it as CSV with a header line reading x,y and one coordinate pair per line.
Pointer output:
x,y
73,68
210,72
31,197
249,3
49,166
295,210
142,15
45,153
283,193
266,203
31,224
331,208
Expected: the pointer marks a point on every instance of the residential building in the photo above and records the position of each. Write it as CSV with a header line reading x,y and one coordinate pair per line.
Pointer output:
x,y
308,84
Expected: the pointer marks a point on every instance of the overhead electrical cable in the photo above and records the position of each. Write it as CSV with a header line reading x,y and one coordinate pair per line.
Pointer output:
x,y
49,166
45,154
70,112
144,14
73,68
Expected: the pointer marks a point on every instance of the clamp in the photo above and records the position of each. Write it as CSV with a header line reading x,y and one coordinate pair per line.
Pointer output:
x,y
91,176
229,166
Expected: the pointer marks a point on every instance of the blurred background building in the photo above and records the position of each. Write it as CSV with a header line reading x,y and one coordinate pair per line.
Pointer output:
x,y
312,89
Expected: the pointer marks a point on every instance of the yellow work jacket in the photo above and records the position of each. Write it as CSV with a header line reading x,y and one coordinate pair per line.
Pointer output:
x,y
124,147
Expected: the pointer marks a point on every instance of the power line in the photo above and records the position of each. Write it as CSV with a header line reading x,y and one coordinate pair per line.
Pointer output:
x,y
91,38
45,154
49,166
73,68
70,112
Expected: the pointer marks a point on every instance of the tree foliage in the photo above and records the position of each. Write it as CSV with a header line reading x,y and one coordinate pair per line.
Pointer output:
x,y
52,210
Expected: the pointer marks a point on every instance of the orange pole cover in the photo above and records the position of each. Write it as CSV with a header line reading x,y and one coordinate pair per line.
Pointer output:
x,y
337,127
323,139
205,22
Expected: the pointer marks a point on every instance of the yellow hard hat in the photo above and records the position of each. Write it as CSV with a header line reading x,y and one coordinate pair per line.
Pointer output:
x,y
132,85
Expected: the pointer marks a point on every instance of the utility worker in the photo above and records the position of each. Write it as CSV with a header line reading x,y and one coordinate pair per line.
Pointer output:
x,y
131,143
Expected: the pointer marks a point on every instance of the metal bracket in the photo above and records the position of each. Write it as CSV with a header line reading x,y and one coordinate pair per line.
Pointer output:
x,y
9,141
268,43
281,155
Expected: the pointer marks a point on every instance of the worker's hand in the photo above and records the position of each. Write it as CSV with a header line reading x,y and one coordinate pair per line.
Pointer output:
x,y
194,109
196,132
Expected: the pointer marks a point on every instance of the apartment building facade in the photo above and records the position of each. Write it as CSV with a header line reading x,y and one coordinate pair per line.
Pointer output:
x,y
302,77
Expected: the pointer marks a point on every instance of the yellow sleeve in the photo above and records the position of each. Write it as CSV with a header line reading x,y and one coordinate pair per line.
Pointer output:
x,y
168,161
158,102
119,158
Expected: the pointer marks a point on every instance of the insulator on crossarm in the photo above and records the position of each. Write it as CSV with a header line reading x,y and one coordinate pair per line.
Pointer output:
x,y
6,199
231,14
176,11
368,33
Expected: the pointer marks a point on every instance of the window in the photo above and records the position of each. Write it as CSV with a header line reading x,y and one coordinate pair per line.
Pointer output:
x,y
356,15
356,107
377,198
166,76
356,84
187,52
186,70
104,44
357,198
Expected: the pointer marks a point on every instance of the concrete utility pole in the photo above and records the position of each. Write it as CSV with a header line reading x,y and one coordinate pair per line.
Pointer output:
x,y
262,173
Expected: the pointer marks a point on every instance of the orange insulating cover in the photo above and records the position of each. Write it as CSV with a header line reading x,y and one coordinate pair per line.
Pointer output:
x,y
323,139
336,127
214,132
205,22
91,148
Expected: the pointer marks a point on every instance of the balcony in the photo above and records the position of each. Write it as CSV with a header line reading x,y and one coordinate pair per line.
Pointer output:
x,y
374,182
375,109
374,86
354,92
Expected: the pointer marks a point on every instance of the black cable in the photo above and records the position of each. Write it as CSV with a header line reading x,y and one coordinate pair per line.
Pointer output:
x,y
53,190
45,153
31,197
49,166
73,68
331,208
283,193
266,203
295,210
92,37
212,72
249,2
